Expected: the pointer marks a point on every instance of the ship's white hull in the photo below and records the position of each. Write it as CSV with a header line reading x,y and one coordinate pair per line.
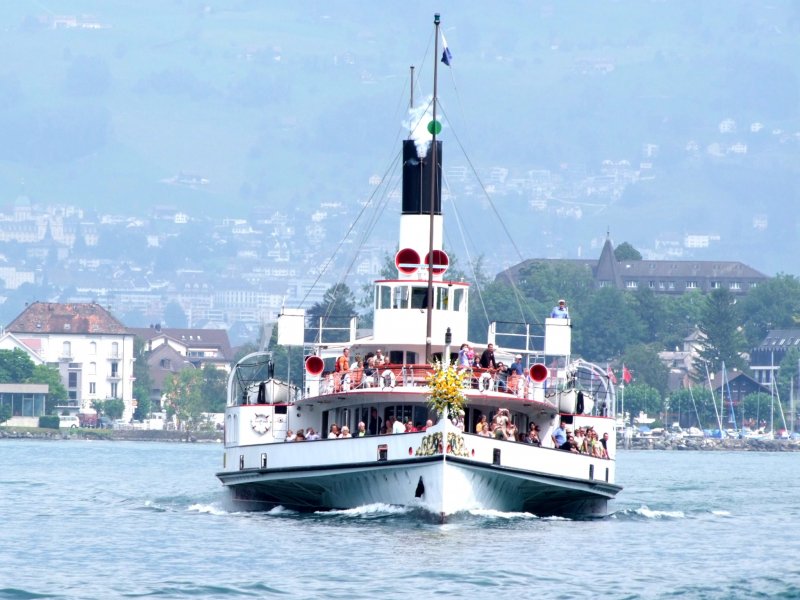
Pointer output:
x,y
489,475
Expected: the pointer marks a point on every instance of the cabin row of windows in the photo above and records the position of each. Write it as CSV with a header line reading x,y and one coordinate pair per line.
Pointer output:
x,y
405,296
632,284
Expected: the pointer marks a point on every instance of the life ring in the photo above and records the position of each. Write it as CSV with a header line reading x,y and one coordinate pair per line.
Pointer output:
x,y
485,382
388,375
260,423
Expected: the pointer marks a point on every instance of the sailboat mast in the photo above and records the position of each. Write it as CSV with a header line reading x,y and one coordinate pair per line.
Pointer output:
x,y
434,158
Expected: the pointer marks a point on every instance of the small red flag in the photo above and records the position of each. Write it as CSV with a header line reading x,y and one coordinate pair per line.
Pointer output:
x,y
611,376
626,375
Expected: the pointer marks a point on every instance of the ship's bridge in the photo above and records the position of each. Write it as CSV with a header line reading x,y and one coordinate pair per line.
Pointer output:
x,y
400,314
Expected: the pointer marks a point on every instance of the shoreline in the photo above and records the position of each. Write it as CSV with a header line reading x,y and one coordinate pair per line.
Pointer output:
x,y
110,435
711,445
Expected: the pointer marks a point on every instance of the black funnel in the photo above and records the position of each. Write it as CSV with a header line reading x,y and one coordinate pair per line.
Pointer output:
x,y
417,177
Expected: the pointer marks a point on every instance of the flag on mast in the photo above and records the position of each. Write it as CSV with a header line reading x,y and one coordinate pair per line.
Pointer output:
x,y
447,56
611,377
626,375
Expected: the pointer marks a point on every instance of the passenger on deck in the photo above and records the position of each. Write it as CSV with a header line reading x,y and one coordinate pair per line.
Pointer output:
x,y
300,436
482,424
604,442
458,420
569,445
397,426
345,432
289,436
380,359
463,357
533,435
487,358
559,435
358,363
428,424
560,311
311,435
334,432
375,422
517,366
410,428
343,362
362,429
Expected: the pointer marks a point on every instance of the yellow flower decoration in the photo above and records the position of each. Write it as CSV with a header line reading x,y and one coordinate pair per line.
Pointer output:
x,y
446,384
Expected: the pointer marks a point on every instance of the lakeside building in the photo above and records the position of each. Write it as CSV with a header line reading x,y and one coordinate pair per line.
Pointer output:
x,y
673,277
766,358
90,348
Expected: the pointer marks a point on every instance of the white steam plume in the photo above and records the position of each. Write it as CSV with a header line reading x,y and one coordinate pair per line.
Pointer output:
x,y
418,119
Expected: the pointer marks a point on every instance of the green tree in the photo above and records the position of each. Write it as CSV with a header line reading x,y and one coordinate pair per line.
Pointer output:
x,y
640,397
774,304
682,314
608,324
724,342
332,314
5,413
143,383
215,389
183,396
625,252
646,367
693,407
788,379
56,390
15,366
113,408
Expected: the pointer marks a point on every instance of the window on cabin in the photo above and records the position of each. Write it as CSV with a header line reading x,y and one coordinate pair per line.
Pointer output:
x,y
400,297
384,296
419,297
459,299
442,298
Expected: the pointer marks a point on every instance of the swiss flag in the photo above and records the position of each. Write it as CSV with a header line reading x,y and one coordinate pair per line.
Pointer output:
x,y
626,375
611,377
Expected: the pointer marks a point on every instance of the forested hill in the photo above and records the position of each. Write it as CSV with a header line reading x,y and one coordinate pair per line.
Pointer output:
x,y
222,107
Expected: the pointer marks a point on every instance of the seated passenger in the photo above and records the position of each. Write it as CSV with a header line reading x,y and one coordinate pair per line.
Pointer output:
x,y
300,436
482,424
334,433
345,432
380,359
311,435
458,420
289,436
428,424
362,429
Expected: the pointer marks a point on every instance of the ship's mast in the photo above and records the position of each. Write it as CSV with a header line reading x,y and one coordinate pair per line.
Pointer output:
x,y
434,158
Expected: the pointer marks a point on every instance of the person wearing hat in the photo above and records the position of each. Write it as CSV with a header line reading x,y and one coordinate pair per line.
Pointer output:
x,y
517,368
560,311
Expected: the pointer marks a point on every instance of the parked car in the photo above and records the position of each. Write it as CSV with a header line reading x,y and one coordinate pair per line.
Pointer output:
x,y
68,422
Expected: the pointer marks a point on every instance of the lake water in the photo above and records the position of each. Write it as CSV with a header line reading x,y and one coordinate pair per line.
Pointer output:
x,y
83,519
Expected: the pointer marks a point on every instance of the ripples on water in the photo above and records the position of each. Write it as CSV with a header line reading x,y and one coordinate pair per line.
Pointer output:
x,y
128,520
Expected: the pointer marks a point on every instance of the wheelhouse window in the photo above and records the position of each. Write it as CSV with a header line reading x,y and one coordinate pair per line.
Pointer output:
x,y
384,297
400,297
459,299
442,298
419,297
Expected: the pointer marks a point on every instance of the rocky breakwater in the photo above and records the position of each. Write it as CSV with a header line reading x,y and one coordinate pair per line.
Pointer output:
x,y
713,444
